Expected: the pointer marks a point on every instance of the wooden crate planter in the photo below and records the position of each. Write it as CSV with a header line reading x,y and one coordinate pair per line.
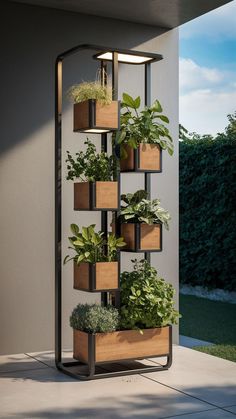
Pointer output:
x,y
91,115
122,345
142,237
146,158
96,196
94,277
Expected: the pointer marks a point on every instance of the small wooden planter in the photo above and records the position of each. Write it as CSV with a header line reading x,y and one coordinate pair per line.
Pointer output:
x,y
94,277
146,158
142,237
122,345
91,115
94,196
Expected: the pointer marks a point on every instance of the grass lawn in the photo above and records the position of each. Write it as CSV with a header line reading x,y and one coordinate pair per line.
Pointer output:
x,y
212,321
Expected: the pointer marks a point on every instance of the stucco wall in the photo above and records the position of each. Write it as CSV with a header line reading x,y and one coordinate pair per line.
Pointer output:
x,y
33,37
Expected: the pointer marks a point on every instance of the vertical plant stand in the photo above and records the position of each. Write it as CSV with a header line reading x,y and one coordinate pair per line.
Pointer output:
x,y
93,369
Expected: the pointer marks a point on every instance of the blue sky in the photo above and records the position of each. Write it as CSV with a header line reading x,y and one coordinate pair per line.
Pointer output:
x,y
208,70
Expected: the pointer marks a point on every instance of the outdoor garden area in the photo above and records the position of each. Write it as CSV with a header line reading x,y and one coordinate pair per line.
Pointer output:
x,y
207,239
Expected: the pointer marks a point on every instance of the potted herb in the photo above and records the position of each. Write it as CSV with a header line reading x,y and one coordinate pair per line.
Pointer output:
x,y
143,136
141,222
96,189
89,323
95,260
94,109
141,329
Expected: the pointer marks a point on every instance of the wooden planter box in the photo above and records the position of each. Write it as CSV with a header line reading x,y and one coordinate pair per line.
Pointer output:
x,y
96,196
122,345
94,277
142,237
146,158
91,115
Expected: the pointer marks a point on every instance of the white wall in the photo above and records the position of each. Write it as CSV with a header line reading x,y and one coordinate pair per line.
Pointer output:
x,y
33,37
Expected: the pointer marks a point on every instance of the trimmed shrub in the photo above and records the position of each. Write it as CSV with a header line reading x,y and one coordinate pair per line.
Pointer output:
x,y
207,212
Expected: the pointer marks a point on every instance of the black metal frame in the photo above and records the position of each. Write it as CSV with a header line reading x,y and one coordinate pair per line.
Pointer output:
x,y
92,279
92,200
137,240
73,369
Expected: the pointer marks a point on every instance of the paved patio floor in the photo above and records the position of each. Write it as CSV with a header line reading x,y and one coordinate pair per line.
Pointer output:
x,y
198,386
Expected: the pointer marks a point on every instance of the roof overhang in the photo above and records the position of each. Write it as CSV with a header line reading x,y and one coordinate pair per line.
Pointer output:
x,y
162,13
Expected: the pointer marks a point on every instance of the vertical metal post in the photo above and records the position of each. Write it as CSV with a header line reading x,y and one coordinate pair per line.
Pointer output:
x,y
147,96
104,148
115,66
58,292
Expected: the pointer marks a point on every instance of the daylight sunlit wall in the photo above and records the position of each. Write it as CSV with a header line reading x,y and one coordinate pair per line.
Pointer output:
x,y
33,36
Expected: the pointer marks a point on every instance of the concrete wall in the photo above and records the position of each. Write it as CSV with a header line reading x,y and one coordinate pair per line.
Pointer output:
x,y
33,36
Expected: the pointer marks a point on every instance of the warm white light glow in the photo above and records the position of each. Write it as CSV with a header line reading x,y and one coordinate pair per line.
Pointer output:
x,y
125,58
96,131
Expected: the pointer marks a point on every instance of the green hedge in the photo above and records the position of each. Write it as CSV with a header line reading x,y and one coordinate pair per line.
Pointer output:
x,y
207,212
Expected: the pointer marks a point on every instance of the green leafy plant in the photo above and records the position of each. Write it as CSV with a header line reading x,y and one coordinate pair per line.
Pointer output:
x,y
90,165
94,318
146,299
93,247
144,126
90,90
139,209
207,187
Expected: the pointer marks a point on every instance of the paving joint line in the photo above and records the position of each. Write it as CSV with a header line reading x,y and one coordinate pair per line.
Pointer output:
x,y
189,395
38,360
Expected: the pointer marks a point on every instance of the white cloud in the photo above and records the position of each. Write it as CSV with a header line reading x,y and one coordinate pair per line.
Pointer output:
x,y
217,24
207,96
193,76
205,111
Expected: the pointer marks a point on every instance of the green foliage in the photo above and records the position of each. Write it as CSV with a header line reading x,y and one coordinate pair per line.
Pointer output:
x,y
207,210
93,247
94,318
90,90
221,351
146,299
90,165
144,126
139,209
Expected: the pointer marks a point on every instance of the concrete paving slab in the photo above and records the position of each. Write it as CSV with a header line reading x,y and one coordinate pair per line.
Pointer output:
x,y
191,342
213,414
200,375
19,362
45,393
231,409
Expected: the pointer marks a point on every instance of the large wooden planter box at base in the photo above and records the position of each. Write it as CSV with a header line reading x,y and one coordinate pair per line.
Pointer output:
x,y
141,237
90,116
96,196
146,158
122,345
100,276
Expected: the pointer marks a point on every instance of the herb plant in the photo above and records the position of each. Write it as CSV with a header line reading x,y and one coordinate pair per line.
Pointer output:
x,y
89,165
139,209
143,126
94,318
146,299
90,90
93,247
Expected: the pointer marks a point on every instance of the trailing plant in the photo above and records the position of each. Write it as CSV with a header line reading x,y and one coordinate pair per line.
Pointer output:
x,y
90,90
139,209
146,299
143,126
94,318
93,247
90,166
